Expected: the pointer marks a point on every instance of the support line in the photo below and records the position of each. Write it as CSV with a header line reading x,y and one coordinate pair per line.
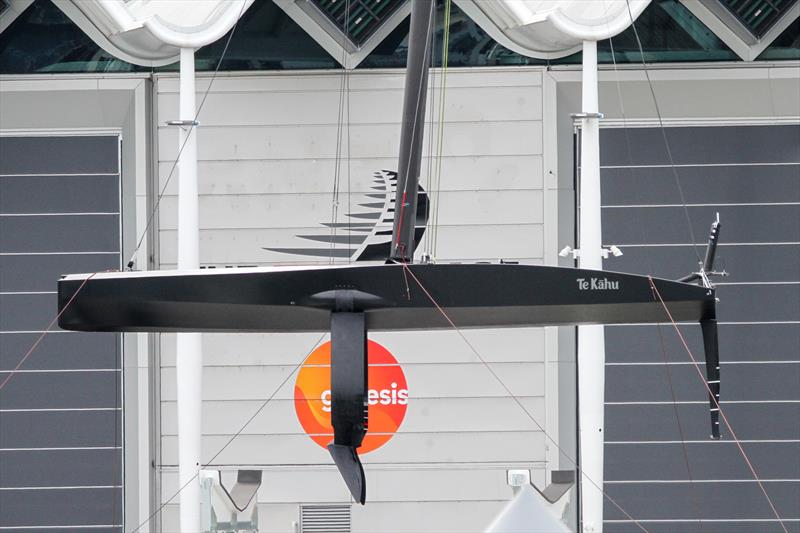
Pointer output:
x,y
511,394
717,405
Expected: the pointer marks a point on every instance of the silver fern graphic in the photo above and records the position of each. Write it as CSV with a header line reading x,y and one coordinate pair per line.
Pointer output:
x,y
367,235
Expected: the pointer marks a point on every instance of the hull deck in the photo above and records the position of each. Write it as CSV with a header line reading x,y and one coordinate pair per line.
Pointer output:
x,y
286,299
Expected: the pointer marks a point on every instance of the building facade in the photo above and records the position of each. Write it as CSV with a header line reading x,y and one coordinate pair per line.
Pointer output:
x,y
293,153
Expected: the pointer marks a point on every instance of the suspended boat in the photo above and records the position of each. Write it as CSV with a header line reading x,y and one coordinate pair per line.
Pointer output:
x,y
348,300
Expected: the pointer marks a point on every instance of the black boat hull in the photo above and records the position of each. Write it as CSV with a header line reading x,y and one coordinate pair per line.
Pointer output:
x,y
285,299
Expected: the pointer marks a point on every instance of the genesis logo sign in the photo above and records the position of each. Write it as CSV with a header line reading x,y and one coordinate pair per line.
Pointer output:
x,y
367,235
387,396
597,284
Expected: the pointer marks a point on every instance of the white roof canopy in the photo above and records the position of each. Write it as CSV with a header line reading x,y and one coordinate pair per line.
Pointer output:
x,y
152,32
550,29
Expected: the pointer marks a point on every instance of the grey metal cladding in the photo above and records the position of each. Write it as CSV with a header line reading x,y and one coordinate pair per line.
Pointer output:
x,y
59,194
40,272
93,529
729,184
667,225
673,262
759,303
27,312
708,460
60,351
63,390
72,233
697,526
60,507
60,429
60,468
739,342
764,291
656,422
59,155
742,382
647,500
701,145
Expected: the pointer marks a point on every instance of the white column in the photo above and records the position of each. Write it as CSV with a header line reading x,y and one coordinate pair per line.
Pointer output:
x,y
591,339
189,362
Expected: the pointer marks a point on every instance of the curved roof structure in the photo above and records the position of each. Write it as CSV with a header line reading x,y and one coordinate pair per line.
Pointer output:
x,y
152,32
550,29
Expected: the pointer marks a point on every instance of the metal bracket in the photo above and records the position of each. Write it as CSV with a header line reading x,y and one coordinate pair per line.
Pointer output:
x,y
182,123
604,252
233,510
581,116
560,482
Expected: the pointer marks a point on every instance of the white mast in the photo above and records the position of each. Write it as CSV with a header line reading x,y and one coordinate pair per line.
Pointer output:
x,y
591,339
189,357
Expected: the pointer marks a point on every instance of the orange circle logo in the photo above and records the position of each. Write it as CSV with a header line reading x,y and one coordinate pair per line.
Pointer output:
x,y
387,396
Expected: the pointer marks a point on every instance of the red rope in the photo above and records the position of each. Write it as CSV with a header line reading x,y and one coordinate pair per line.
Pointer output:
x,y
44,333
718,406
489,368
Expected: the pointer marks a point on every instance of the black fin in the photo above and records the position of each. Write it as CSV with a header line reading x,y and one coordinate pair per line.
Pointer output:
x,y
711,345
350,468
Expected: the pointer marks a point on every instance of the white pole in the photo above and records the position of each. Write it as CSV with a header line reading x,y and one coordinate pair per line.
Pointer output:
x,y
189,362
591,339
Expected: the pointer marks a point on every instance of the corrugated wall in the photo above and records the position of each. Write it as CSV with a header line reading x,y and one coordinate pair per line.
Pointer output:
x,y
61,437
268,156
655,400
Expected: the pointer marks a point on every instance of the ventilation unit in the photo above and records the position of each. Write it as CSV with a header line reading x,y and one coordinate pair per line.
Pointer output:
x,y
325,519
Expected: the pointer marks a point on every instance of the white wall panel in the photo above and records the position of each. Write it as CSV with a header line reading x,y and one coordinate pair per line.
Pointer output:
x,y
456,243
233,211
221,143
404,448
377,80
389,484
424,415
268,156
463,104
303,176
519,345
452,380
445,517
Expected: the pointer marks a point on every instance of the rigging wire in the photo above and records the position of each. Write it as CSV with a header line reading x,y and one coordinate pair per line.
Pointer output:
x,y
235,435
44,333
643,230
664,134
440,139
513,396
344,88
154,209
717,405
429,174
692,486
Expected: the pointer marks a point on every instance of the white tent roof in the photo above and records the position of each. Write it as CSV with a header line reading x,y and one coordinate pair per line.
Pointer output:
x,y
551,29
528,512
151,32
